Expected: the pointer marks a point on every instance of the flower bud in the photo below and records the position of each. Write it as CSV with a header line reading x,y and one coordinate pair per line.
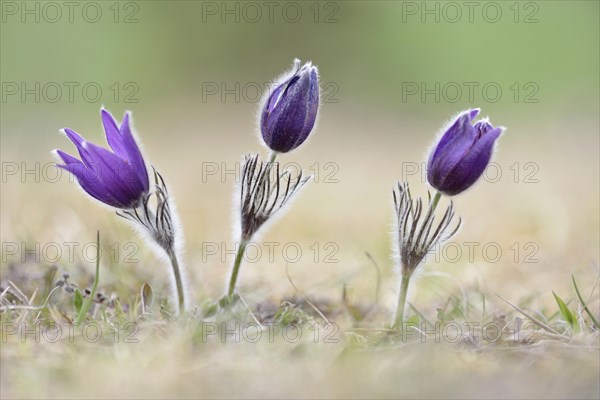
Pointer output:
x,y
290,111
462,154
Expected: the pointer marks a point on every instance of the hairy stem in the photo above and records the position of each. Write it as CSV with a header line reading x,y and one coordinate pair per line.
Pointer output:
x,y
178,279
236,268
399,318
243,243
272,156
436,199
407,273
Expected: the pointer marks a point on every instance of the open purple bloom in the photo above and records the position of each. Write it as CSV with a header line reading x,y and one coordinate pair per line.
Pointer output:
x,y
290,111
462,153
118,178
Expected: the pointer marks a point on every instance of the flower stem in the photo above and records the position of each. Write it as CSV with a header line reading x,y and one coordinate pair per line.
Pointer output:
x,y
436,199
406,274
272,157
399,318
178,279
244,242
236,268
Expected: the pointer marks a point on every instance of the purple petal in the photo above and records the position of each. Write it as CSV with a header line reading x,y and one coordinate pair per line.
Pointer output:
x,y
74,137
79,143
116,175
134,155
463,119
287,120
472,164
473,113
294,116
273,100
113,134
87,180
119,179
313,108
459,137
274,97
283,84
67,158
289,114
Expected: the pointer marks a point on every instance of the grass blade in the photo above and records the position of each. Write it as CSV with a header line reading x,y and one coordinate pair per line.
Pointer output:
x,y
564,310
77,301
585,307
87,303
533,319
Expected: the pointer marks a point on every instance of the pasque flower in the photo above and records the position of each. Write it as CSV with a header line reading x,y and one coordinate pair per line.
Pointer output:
x,y
119,177
456,162
462,153
286,119
290,112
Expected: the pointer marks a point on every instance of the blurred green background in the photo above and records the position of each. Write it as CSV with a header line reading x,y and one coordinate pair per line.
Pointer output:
x,y
163,60
168,49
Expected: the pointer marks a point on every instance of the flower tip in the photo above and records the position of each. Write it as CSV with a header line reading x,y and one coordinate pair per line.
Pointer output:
x,y
60,157
312,68
74,137
473,113
106,115
309,66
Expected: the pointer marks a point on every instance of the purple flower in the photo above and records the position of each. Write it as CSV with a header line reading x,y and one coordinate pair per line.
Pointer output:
x,y
291,109
462,154
118,178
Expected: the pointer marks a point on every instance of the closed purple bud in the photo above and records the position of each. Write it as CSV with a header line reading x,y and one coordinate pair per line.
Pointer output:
x,y
118,178
462,154
290,111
